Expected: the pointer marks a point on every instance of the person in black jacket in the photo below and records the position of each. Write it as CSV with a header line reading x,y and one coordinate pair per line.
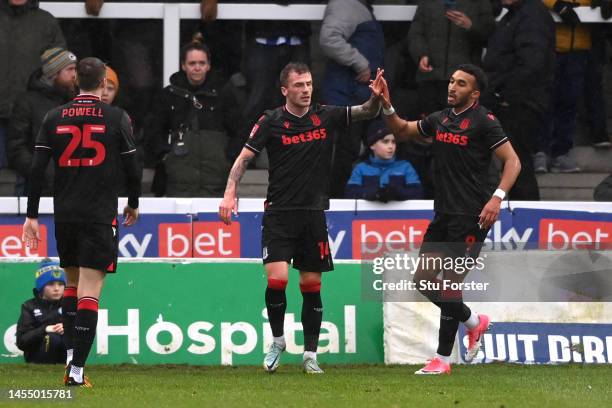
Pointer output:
x,y
39,329
50,86
195,118
520,65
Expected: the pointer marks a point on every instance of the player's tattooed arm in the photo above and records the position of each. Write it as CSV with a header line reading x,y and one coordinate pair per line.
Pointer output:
x,y
238,169
371,107
368,110
229,203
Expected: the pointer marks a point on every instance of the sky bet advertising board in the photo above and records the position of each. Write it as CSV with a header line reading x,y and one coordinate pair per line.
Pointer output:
x,y
352,234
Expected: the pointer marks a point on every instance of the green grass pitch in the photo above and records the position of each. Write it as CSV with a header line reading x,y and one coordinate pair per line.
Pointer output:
x,y
493,385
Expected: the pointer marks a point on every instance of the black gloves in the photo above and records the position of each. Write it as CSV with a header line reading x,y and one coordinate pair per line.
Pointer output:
x,y
382,195
606,7
565,9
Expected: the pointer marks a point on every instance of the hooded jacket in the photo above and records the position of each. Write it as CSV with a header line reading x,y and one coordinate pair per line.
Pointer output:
x,y
28,113
199,168
25,32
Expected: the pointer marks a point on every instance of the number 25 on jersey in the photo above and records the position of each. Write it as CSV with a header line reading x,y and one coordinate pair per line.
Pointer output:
x,y
83,140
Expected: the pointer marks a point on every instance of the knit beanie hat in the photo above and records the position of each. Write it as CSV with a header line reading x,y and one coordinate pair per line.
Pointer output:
x,y
48,271
55,59
376,131
111,76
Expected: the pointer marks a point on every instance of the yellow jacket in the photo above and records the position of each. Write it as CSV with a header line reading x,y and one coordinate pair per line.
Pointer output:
x,y
572,38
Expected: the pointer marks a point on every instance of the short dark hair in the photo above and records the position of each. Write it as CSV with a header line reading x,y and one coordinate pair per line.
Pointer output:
x,y
196,44
297,67
476,72
90,73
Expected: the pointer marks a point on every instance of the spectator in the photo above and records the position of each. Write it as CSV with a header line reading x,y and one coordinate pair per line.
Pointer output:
x,y
443,35
594,102
25,32
354,43
50,86
195,118
380,177
112,86
573,47
39,328
520,63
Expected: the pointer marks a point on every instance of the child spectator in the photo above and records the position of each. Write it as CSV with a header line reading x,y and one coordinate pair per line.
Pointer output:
x,y
39,329
380,177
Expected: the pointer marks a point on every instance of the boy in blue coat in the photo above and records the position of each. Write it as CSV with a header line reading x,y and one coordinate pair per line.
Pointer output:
x,y
380,177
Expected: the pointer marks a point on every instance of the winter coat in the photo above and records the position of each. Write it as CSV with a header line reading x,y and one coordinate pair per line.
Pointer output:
x,y
28,113
432,34
193,127
383,180
353,40
37,345
572,38
25,32
520,58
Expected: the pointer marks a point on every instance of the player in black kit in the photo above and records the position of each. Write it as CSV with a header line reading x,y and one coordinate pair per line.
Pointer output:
x,y
90,142
464,137
299,139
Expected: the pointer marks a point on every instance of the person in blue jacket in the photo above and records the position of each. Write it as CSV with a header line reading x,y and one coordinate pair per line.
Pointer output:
x,y
380,177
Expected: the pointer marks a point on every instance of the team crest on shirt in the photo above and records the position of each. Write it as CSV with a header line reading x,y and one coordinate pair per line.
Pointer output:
x,y
491,116
465,123
315,120
254,130
286,124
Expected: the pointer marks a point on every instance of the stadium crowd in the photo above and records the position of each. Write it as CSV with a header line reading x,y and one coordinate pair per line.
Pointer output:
x,y
192,130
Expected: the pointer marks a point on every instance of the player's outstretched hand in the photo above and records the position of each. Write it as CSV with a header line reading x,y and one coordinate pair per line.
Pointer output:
x,y
228,206
130,215
489,213
31,234
379,88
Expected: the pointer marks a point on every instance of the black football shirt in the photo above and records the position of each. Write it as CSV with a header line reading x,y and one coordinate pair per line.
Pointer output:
x,y
462,148
300,153
86,139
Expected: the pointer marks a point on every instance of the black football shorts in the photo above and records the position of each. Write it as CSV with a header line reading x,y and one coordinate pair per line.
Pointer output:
x,y
88,245
454,235
299,236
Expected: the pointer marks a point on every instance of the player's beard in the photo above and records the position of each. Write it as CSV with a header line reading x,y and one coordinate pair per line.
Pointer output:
x,y
458,103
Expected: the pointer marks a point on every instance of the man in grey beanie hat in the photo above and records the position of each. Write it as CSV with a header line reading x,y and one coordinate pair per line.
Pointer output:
x,y
56,59
52,85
